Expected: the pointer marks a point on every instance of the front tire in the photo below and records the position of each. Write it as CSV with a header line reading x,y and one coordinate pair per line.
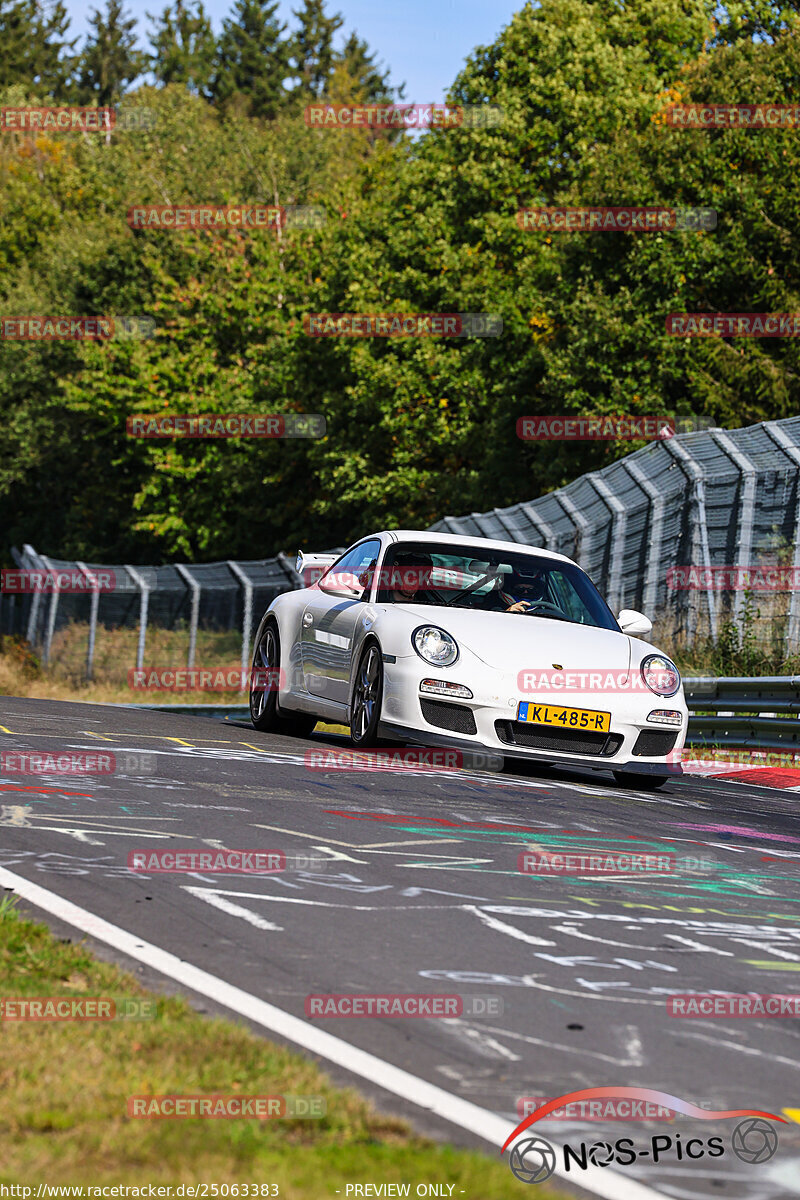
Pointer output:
x,y
365,712
645,783
264,677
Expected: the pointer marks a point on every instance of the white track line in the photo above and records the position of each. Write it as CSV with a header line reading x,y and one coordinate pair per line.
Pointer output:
x,y
479,1121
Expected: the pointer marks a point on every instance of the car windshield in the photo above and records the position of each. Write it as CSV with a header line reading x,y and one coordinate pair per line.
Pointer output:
x,y
520,584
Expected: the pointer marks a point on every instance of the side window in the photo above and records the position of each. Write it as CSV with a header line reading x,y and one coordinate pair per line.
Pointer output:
x,y
353,570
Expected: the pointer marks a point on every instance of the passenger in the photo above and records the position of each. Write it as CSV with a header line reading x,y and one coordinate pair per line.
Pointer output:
x,y
409,571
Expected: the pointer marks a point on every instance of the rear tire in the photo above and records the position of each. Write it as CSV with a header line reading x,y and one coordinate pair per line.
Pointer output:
x,y
645,783
264,712
365,711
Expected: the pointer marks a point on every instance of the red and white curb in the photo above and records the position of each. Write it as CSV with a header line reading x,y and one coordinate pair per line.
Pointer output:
x,y
755,772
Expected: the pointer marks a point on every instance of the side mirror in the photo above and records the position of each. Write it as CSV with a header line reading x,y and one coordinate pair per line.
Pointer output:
x,y
634,623
342,583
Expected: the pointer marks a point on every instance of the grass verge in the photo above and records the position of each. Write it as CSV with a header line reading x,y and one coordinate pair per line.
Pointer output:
x,y
64,1089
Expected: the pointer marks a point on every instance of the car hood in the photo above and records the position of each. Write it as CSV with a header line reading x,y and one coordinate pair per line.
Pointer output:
x,y
511,640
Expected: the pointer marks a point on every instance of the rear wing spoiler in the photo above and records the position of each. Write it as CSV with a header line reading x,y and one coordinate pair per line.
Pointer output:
x,y
311,567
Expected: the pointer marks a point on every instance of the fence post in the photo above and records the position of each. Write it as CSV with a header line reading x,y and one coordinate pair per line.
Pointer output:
x,y
195,586
33,616
92,620
51,617
699,526
744,533
248,616
143,605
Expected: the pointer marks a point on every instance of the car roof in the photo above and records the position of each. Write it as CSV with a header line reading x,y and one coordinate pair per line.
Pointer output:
x,y
425,535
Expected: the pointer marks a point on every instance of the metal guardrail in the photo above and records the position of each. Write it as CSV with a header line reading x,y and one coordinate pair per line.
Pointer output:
x,y
742,712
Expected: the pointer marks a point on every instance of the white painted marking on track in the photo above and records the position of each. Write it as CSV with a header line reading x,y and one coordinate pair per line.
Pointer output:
x,y
600,1181
676,937
510,930
233,910
768,948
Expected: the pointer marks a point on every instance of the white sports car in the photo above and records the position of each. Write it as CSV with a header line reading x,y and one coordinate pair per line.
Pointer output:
x,y
473,644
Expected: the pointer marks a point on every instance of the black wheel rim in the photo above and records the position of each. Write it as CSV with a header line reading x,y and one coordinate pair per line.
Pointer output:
x,y
366,694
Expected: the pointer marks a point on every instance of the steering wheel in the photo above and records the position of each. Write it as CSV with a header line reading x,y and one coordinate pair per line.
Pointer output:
x,y
537,605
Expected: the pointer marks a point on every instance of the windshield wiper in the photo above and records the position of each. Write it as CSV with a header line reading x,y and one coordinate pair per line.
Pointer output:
x,y
492,575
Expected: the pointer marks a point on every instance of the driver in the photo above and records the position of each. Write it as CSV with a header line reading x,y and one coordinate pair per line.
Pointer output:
x,y
525,591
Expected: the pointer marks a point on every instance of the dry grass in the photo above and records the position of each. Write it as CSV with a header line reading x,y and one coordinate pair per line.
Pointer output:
x,y
21,672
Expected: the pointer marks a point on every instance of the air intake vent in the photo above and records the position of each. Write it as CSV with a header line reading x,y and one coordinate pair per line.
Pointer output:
x,y
651,743
454,717
568,741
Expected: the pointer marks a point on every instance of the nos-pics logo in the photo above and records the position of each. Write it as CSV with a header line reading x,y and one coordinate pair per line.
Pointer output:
x,y
534,1160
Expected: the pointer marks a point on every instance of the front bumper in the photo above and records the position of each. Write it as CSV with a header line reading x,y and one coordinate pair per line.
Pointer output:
x,y
488,721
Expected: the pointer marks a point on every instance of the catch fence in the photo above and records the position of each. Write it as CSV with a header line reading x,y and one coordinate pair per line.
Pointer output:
x,y
716,500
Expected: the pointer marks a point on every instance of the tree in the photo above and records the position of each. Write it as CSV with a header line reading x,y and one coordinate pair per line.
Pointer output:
x,y
367,82
253,58
109,60
312,49
184,46
34,49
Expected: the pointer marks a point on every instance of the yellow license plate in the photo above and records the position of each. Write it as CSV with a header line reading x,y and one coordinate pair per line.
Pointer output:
x,y
563,718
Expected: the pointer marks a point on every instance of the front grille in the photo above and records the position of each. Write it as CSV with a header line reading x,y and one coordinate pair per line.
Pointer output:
x,y
570,741
454,717
651,743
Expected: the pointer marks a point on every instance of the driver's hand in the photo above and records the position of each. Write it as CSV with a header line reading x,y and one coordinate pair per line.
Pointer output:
x,y
520,606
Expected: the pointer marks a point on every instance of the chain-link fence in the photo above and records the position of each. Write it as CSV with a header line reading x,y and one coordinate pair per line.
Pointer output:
x,y
189,600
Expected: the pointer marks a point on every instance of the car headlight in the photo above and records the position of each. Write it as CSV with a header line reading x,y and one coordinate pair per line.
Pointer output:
x,y
434,645
660,674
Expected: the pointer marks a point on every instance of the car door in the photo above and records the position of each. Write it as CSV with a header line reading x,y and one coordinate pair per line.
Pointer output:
x,y
328,623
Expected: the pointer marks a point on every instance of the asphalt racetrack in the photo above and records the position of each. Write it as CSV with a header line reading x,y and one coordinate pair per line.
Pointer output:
x,y
407,882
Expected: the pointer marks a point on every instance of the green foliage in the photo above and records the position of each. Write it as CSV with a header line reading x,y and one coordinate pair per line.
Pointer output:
x,y
33,48
417,428
312,53
183,46
252,59
109,61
